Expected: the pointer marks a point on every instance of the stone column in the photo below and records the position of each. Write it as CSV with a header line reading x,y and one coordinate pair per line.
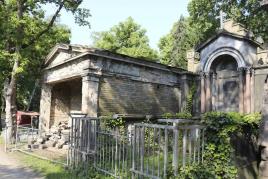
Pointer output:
x,y
90,95
208,92
45,107
241,90
214,91
252,80
203,93
247,97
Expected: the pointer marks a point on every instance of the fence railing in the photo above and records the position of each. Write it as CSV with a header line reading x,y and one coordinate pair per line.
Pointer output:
x,y
159,149
147,150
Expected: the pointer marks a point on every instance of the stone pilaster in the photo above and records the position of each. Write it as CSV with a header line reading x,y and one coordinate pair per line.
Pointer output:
x,y
241,90
252,85
214,91
90,95
203,93
45,107
247,93
192,60
208,92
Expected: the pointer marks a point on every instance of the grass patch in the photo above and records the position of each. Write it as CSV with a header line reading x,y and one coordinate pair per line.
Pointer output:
x,y
46,168
56,171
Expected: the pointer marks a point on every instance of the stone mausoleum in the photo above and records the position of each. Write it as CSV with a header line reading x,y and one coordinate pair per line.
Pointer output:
x,y
233,67
230,70
79,79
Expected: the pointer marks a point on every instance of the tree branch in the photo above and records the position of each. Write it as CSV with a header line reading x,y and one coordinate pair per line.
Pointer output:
x,y
50,24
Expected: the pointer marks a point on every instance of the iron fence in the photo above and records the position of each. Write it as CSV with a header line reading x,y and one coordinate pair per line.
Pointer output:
x,y
160,149
146,151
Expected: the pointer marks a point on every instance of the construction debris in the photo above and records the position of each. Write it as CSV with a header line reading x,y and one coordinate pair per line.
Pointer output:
x,y
58,137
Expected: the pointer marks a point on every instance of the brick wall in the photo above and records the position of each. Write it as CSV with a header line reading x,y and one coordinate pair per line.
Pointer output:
x,y
126,96
60,104
66,98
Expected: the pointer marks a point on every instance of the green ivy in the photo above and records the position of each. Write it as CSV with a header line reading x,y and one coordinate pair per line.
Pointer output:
x,y
219,152
111,122
180,115
190,99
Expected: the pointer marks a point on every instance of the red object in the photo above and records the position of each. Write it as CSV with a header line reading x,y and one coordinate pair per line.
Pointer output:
x,y
24,118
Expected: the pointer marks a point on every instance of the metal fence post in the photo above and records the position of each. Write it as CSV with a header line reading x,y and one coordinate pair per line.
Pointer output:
x,y
133,151
175,148
184,147
166,153
116,150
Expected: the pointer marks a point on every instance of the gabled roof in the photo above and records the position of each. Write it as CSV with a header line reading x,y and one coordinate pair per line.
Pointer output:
x,y
232,29
81,51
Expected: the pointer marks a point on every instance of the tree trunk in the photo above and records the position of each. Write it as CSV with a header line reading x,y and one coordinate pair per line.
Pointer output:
x,y
10,96
1,109
32,94
10,99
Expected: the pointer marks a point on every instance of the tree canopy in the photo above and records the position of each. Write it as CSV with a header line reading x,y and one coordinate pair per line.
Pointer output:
x,y
127,38
202,23
26,36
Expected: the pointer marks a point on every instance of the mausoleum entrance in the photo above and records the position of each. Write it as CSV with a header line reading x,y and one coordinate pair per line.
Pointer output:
x,y
225,84
66,99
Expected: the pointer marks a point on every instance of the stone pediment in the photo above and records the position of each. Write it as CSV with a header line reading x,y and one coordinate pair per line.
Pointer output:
x,y
62,52
233,30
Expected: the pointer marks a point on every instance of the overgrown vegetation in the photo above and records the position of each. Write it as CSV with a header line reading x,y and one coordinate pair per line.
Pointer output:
x,y
221,155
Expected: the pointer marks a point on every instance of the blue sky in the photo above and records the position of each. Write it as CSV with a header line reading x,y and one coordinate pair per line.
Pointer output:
x,y
156,16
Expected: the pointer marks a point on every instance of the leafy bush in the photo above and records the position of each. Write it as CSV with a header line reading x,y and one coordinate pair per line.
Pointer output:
x,y
221,128
111,122
181,115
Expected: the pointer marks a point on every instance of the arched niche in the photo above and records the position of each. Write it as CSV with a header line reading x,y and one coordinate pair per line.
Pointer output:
x,y
224,63
231,55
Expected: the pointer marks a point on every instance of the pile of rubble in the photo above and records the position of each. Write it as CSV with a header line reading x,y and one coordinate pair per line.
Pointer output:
x,y
58,137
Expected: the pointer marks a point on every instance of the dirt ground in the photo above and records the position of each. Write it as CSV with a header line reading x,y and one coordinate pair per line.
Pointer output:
x,y
10,168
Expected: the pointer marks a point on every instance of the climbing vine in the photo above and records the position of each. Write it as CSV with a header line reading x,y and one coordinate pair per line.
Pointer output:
x,y
190,99
220,151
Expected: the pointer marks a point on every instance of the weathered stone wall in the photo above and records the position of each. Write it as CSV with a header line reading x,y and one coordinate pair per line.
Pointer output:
x,y
60,103
66,98
125,96
76,95
260,76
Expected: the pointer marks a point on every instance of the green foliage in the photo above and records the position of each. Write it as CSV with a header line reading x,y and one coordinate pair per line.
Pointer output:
x,y
111,122
180,115
202,23
221,127
173,46
195,171
190,99
127,38
203,14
